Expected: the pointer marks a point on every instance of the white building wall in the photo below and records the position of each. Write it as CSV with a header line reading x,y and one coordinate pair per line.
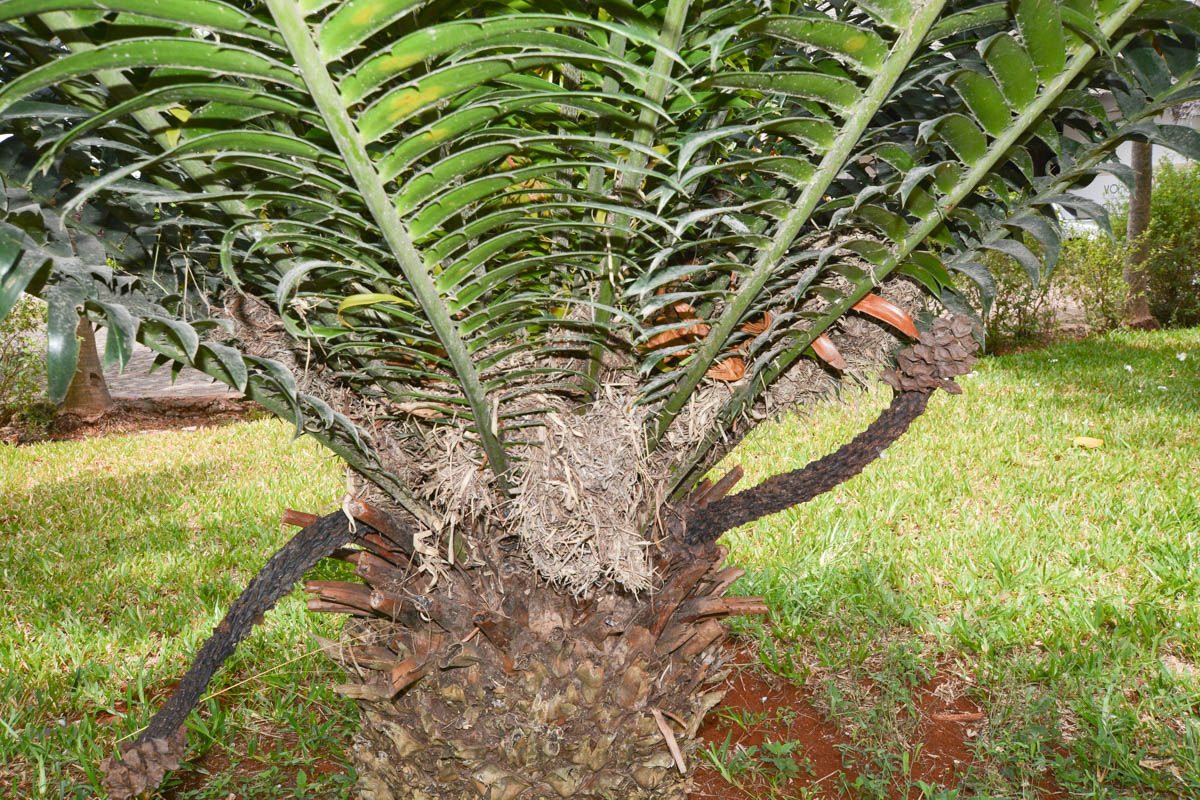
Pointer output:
x,y
1106,188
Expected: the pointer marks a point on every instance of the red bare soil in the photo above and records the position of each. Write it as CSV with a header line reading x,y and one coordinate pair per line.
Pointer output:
x,y
941,751
217,761
948,721
752,692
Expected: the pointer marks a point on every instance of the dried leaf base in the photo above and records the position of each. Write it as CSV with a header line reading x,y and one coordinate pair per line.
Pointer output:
x,y
501,688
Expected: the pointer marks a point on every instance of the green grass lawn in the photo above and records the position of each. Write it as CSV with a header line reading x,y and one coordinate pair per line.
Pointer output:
x,y
1059,586
118,556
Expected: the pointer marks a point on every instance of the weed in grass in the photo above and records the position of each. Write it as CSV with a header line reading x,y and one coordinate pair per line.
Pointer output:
x,y
782,763
730,761
741,717
775,762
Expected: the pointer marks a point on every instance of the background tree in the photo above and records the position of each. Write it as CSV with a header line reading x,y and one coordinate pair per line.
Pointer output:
x,y
530,269
1146,54
98,252
1137,310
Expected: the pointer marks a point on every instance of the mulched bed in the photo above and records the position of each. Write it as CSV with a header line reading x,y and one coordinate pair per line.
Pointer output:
x,y
144,416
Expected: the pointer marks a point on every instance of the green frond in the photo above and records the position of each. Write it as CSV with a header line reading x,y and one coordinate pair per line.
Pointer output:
x,y
464,214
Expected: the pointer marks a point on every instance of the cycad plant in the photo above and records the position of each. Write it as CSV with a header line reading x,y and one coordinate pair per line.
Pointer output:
x,y
529,268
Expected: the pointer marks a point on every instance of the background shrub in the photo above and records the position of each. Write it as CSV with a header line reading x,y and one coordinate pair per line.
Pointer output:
x,y
23,366
1090,271
1021,312
1174,237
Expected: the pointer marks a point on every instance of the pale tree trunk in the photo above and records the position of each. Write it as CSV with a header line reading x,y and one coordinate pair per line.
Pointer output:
x,y
88,394
1137,306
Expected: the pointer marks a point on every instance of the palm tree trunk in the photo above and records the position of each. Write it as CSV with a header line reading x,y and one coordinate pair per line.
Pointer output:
x,y
88,394
1137,278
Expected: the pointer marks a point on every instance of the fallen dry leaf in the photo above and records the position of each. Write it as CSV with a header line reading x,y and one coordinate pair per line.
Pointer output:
x,y
825,350
755,328
1089,442
669,736
681,312
697,331
731,369
966,716
888,312
421,410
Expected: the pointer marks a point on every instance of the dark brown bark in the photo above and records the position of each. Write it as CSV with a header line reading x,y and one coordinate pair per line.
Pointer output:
x,y
783,491
943,352
88,394
1137,277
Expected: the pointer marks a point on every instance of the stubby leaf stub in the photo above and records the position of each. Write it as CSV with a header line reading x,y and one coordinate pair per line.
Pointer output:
x,y
945,351
143,765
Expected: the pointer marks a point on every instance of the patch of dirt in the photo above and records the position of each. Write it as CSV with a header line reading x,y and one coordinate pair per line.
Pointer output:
x,y
145,416
774,709
778,711
195,775
949,722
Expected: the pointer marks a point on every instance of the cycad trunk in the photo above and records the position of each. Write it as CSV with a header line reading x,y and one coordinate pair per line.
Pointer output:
x,y
490,684
536,695
486,682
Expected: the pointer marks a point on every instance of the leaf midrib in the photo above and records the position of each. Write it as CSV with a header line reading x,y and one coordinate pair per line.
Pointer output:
x,y
328,100
832,162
